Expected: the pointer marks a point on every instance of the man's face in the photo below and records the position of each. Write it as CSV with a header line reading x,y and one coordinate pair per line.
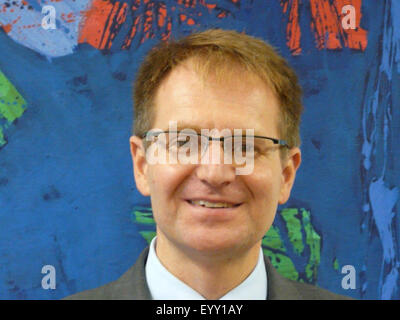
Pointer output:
x,y
175,189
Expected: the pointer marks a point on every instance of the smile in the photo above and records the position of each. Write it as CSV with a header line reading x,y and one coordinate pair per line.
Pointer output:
x,y
208,204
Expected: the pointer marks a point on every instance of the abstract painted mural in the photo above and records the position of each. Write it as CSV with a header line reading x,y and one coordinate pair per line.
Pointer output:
x,y
67,194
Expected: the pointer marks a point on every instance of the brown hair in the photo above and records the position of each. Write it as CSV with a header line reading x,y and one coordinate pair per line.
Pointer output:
x,y
216,51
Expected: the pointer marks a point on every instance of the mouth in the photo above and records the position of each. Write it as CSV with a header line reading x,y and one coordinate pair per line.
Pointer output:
x,y
213,204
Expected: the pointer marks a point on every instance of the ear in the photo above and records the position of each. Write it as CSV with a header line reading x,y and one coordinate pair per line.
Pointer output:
x,y
140,166
289,169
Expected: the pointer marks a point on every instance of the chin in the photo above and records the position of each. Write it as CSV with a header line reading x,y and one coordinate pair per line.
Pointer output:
x,y
214,246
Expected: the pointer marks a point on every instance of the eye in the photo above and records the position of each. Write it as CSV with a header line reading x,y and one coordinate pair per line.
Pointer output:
x,y
183,141
244,147
248,147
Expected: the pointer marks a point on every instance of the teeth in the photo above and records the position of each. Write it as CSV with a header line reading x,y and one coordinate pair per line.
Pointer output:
x,y
207,204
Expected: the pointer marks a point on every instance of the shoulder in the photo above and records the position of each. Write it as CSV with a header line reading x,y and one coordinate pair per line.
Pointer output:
x,y
280,288
105,292
130,286
312,292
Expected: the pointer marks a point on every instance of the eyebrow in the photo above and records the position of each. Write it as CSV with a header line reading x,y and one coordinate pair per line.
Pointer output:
x,y
183,125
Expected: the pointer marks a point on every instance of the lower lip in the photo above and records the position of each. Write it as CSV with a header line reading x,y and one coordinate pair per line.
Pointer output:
x,y
214,213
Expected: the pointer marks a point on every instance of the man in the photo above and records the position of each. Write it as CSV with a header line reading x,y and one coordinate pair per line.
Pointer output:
x,y
210,217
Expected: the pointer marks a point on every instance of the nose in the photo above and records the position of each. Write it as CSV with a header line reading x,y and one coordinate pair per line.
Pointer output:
x,y
212,169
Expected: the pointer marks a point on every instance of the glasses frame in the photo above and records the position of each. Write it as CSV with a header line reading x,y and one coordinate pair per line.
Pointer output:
x,y
280,142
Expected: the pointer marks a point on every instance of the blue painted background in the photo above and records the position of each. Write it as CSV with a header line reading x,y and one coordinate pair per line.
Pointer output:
x,y
66,183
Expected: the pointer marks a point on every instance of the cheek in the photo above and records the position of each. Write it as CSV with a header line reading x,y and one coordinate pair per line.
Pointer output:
x,y
265,187
164,181
164,178
265,183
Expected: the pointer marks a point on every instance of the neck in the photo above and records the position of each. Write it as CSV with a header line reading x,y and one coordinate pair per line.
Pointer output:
x,y
210,275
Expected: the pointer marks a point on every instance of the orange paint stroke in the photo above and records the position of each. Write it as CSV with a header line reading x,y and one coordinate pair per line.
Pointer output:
x,y
353,38
98,26
103,20
221,15
148,19
107,31
121,17
165,36
93,23
71,17
327,25
135,5
182,17
7,27
189,3
132,33
293,31
162,14
210,6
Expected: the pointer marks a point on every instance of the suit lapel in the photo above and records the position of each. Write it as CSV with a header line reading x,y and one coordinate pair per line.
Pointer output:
x,y
132,284
279,288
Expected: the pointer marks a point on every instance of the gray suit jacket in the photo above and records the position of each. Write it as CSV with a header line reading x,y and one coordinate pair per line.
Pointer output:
x,y
132,285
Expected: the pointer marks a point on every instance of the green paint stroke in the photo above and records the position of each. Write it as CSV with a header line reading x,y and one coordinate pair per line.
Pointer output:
x,y
2,140
313,240
273,239
282,264
12,104
143,217
148,235
336,264
293,224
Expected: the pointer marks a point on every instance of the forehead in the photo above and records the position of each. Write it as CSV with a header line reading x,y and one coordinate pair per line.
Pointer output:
x,y
239,101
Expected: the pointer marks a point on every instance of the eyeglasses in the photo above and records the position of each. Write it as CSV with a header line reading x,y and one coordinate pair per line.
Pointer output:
x,y
194,145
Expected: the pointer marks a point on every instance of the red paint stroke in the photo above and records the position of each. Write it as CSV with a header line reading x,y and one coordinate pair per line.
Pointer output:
x,y
148,22
165,36
210,6
8,27
68,18
132,33
135,26
222,14
101,22
187,3
162,14
293,31
326,23
353,38
182,17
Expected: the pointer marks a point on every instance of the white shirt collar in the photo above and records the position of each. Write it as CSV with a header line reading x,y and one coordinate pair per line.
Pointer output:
x,y
164,285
